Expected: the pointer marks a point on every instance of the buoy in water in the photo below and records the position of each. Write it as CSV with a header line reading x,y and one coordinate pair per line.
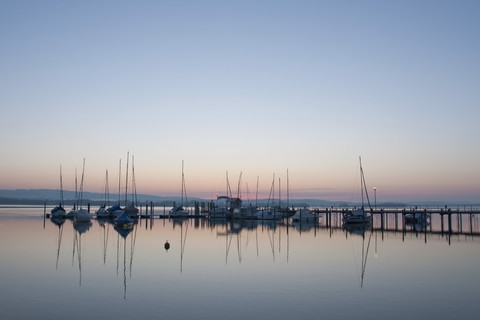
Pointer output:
x,y
166,245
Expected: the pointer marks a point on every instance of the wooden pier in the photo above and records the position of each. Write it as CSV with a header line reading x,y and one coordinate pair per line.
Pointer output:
x,y
459,220
381,211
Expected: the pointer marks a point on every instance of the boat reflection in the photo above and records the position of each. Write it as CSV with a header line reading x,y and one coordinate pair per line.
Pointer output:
x,y
229,235
124,233
358,228
364,233
59,223
240,234
236,226
104,223
181,221
305,226
416,225
80,228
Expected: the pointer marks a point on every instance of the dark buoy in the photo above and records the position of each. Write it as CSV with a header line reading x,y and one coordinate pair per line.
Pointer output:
x,y
166,245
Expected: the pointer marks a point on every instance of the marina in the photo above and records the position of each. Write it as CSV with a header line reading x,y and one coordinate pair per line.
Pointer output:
x,y
240,160
448,220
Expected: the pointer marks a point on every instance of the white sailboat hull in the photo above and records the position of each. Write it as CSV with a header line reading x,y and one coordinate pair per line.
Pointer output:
x,y
305,215
178,212
357,216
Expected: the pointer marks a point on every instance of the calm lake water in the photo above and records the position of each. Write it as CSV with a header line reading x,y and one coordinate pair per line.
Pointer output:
x,y
234,270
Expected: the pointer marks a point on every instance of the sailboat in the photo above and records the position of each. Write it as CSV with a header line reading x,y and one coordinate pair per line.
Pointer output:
x,y
359,216
239,210
102,211
130,209
82,215
305,215
179,210
285,211
116,210
270,212
59,211
221,211
71,214
124,221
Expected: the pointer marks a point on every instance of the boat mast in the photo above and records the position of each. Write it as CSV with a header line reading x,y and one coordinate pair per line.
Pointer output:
x,y
184,189
288,190
134,185
105,186
364,185
76,192
183,181
229,190
126,181
107,191
271,196
256,195
61,186
238,186
273,191
361,178
279,193
119,178
81,183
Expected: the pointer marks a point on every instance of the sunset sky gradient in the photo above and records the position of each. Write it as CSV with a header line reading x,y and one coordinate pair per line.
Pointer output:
x,y
257,87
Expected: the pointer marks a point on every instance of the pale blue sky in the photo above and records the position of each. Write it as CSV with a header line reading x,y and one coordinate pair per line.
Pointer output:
x,y
252,86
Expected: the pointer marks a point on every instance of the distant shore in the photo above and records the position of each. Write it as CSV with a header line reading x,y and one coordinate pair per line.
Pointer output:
x,y
50,197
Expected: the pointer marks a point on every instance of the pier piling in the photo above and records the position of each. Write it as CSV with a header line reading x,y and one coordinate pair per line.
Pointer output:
x,y
450,221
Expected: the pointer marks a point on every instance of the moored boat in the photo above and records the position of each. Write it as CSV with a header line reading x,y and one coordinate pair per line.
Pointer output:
x,y
359,215
305,214
179,210
102,211
416,217
124,221
82,215
115,210
131,210
59,211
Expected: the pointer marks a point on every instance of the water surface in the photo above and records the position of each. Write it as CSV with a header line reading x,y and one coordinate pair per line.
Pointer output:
x,y
218,270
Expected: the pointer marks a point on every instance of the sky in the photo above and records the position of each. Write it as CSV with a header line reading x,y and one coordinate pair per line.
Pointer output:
x,y
252,88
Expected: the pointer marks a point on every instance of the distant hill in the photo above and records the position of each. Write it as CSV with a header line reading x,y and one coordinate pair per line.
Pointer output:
x,y
52,196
